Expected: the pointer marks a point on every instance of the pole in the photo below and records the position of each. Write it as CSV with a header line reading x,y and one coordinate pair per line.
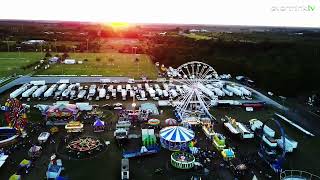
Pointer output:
x,y
55,45
87,45
19,50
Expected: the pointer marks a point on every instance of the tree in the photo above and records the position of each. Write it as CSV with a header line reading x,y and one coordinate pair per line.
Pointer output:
x,y
48,54
65,56
137,60
98,59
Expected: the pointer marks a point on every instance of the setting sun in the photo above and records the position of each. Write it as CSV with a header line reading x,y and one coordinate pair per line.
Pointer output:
x,y
119,25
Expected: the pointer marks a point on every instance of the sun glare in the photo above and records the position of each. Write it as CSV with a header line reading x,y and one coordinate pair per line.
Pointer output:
x,y
119,25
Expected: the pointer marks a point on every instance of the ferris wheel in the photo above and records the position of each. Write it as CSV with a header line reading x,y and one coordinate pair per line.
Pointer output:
x,y
15,114
197,98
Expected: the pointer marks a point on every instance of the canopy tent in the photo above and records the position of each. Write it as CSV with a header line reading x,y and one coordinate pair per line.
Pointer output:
x,y
153,122
170,122
98,125
176,137
177,134
34,151
149,107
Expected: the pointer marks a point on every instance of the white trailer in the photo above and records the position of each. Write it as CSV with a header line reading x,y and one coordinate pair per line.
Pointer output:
x,y
146,86
19,91
165,93
165,86
132,93
38,83
62,87
119,88
40,91
152,92
128,87
66,92
206,90
50,91
28,92
156,86
114,93
71,86
245,91
229,93
173,93
124,94
218,92
159,92
82,93
102,92
110,87
92,90
234,90
142,94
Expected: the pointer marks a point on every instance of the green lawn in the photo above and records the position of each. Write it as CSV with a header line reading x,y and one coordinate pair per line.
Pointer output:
x,y
11,63
123,65
198,36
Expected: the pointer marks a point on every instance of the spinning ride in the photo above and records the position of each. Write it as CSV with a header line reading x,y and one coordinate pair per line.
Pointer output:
x,y
85,145
182,160
197,98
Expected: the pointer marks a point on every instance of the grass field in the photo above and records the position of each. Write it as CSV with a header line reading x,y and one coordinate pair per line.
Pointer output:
x,y
122,65
11,63
198,36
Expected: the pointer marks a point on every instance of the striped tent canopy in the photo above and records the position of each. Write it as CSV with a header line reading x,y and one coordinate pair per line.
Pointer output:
x,y
170,122
176,134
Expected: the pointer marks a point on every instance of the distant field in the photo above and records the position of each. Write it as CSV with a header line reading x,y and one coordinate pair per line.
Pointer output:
x,y
198,36
122,65
11,63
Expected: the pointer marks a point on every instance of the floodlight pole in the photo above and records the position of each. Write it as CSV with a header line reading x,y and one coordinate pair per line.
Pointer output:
x,y
87,44
18,50
55,45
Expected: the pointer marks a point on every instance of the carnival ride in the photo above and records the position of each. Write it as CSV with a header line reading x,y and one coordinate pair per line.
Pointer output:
x,y
197,98
74,127
85,146
55,168
15,114
273,155
176,137
182,160
219,141
154,122
16,119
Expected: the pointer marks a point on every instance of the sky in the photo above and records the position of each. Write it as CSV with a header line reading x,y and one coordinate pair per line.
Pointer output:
x,y
291,13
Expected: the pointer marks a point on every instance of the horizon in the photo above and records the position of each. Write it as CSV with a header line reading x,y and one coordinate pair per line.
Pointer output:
x,y
267,14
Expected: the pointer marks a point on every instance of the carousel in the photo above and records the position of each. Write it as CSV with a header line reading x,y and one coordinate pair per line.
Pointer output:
x,y
84,146
182,160
176,138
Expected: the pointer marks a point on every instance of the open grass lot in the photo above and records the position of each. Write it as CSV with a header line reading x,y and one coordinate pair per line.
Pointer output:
x,y
121,65
198,36
11,63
